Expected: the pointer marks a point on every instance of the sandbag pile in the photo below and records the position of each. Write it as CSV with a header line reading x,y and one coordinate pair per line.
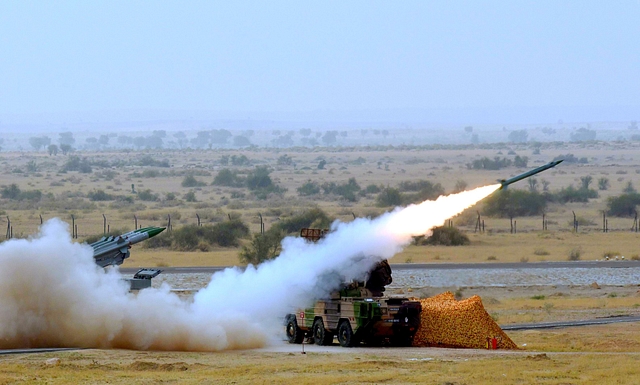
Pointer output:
x,y
445,322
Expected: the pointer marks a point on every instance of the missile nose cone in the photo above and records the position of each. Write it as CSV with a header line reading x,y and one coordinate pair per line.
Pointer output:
x,y
153,231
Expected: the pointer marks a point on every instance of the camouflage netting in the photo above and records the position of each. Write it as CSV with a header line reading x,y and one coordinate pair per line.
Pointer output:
x,y
445,322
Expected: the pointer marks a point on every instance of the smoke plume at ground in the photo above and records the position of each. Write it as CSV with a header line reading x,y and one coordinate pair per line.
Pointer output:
x,y
52,294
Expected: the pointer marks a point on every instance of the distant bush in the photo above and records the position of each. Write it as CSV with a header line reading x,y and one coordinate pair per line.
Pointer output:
x,y
150,174
540,251
313,218
425,190
260,183
262,247
389,197
75,163
575,254
162,240
228,178
582,135
99,195
520,161
623,205
13,192
191,181
489,164
30,195
10,192
346,191
309,188
570,158
629,189
190,196
446,236
148,160
518,136
372,189
460,186
284,160
603,184
572,194
512,203
147,195
194,237
227,233
240,160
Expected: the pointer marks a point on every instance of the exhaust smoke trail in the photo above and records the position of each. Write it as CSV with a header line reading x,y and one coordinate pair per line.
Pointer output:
x,y
52,294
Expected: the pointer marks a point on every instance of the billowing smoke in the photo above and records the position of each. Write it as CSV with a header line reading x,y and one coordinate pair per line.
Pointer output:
x,y
53,294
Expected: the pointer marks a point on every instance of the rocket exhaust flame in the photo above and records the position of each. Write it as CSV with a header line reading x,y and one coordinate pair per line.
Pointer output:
x,y
52,294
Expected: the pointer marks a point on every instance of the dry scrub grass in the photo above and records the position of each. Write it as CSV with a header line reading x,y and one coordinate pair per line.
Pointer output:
x,y
406,366
620,337
504,247
436,165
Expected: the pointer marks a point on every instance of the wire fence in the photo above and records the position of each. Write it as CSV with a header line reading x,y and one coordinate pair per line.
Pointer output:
x,y
87,225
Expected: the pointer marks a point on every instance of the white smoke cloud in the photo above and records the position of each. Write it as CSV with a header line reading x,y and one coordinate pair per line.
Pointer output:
x,y
53,294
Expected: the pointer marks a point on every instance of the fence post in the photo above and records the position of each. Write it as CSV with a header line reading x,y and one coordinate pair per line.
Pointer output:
x,y
104,224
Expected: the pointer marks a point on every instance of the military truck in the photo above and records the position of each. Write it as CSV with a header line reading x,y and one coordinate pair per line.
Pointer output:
x,y
357,313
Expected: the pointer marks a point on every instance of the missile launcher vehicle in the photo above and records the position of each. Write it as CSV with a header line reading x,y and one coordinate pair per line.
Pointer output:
x,y
359,312
113,250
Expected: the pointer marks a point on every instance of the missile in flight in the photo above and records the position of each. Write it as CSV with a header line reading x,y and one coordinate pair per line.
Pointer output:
x,y
506,182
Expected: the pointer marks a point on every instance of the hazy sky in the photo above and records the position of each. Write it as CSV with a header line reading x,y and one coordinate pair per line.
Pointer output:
x,y
298,56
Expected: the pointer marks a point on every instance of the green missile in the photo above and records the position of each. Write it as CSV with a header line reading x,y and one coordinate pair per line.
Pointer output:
x,y
506,182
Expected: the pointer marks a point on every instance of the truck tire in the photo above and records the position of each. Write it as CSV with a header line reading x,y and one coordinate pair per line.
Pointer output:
x,y
320,335
294,334
345,335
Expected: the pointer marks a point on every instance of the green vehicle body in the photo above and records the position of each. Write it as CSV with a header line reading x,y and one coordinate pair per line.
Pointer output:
x,y
357,313
356,319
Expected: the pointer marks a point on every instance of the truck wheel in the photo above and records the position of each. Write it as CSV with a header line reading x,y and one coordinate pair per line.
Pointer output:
x,y
294,334
345,335
320,334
